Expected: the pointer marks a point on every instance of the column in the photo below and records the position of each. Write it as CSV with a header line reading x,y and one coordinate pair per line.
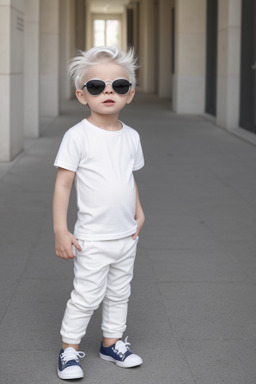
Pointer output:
x,y
49,57
31,68
190,51
228,83
11,78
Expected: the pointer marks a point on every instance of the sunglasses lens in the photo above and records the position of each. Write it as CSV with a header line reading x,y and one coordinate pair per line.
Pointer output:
x,y
95,87
121,86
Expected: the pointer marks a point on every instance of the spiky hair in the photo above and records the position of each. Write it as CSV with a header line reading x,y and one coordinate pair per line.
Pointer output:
x,y
81,63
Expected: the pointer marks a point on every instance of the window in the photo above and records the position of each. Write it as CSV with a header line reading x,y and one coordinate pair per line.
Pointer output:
x,y
106,31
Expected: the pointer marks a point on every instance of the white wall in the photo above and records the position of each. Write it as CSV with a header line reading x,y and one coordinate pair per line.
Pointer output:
x,y
190,43
11,78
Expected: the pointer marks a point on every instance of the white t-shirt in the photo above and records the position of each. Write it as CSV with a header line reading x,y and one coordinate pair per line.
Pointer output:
x,y
104,162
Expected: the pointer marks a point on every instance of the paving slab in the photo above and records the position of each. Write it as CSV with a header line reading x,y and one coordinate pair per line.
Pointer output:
x,y
220,361
210,310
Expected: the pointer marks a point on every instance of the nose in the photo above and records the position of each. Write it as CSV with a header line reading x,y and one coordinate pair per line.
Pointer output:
x,y
108,88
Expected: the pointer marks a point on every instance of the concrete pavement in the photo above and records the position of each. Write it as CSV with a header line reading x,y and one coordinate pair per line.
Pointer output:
x,y
192,313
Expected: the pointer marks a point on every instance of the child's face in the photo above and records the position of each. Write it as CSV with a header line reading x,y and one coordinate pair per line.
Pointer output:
x,y
108,102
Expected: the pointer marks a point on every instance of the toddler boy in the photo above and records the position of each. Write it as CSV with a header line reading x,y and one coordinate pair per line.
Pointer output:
x,y
100,153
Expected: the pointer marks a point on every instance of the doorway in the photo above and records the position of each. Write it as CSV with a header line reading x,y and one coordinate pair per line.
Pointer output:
x,y
106,30
211,56
248,67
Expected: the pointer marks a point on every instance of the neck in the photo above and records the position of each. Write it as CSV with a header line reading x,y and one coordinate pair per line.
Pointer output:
x,y
107,122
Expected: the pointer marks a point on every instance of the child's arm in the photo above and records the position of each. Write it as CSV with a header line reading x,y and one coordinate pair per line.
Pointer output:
x,y
139,214
63,238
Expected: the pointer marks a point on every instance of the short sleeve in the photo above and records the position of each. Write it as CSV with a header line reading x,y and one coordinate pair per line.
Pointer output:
x,y
69,154
139,158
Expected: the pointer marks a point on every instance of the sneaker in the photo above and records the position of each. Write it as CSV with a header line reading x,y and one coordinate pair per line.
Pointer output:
x,y
68,366
120,354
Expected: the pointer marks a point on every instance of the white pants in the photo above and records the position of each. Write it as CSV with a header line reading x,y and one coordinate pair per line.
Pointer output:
x,y
103,271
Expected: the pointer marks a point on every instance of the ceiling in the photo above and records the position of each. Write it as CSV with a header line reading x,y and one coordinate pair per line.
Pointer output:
x,y
109,6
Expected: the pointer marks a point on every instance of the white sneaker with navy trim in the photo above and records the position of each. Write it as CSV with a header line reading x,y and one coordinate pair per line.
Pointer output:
x,y
68,365
120,354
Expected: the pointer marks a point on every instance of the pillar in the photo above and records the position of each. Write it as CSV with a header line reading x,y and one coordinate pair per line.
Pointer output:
x,y
190,51
11,78
228,82
31,68
49,57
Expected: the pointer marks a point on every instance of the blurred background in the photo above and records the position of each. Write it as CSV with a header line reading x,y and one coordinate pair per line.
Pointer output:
x,y
192,313
198,53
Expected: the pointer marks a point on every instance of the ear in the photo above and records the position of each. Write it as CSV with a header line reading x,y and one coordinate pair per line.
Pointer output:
x,y
130,96
81,97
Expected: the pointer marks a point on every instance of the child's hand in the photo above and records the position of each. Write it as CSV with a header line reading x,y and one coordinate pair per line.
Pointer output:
x,y
63,245
140,222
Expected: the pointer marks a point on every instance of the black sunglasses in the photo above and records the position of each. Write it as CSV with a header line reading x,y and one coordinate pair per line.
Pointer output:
x,y
95,86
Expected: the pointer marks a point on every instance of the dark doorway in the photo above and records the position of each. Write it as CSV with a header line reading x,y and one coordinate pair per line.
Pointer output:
x,y
130,27
80,25
211,56
173,39
248,67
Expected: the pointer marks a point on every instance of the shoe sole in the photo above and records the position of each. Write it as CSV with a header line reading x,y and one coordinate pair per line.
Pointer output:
x,y
121,364
65,376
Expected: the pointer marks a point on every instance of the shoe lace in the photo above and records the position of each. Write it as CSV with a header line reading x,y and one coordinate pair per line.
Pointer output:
x,y
122,347
70,354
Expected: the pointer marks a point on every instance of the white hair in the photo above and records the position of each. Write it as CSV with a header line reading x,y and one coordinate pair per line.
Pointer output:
x,y
81,63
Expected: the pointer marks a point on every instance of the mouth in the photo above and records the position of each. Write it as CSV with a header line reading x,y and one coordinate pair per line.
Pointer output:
x,y
109,101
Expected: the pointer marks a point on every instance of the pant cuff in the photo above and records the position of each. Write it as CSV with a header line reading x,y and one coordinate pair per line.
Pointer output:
x,y
71,341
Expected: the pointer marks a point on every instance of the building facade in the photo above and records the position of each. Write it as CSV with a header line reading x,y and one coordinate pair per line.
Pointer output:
x,y
199,53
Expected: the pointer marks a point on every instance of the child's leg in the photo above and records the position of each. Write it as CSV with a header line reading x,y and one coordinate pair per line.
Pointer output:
x,y
115,303
109,341
91,268
115,308
65,346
